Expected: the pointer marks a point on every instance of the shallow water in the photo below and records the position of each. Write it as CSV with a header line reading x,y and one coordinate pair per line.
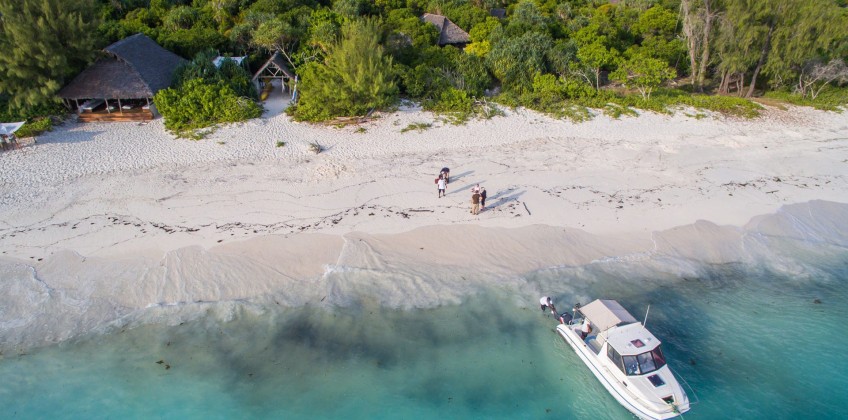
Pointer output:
x,y
751,341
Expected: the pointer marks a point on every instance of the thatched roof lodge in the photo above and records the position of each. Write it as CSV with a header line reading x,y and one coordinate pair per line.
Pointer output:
x,y
119,87
449,33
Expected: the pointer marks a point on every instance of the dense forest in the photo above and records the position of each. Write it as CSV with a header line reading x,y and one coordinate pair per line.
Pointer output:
x,y
557,56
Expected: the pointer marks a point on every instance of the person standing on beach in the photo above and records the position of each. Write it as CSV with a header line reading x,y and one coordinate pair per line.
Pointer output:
x,y
482,198
442,185
445,173
475,203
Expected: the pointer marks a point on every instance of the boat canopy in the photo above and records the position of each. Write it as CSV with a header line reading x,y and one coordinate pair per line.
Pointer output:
x,y
632,339
605,314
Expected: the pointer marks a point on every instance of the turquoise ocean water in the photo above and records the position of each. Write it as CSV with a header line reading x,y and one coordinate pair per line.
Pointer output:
x,y
752,341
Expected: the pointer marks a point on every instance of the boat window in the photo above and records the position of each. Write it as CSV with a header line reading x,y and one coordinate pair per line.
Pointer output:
x,y
643,363
656,381
615,357
659,359
646,362
631,366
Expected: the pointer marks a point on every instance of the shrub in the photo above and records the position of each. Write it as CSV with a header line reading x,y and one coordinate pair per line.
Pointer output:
x,y
197,104
35,127
11,113
416,126
188,42
452,100
575,88
547,84
728,105
643,73
423,81
548,98
830,99
453,103
355,78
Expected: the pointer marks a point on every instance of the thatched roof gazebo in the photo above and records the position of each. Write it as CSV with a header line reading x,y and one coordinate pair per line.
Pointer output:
x,y
274,68
134,69
449,33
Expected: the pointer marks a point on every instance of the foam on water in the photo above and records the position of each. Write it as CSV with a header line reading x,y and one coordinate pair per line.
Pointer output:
x,y
747,315
751,342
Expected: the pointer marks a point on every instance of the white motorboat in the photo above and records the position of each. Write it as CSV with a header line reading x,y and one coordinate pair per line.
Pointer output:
x,y
626,358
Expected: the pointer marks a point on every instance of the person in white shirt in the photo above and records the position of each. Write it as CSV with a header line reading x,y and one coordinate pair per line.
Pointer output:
x,y
546,302
585,329
442,186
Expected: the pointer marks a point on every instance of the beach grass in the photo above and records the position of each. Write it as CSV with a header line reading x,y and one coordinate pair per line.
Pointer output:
x,y
830,98
617,104
416,126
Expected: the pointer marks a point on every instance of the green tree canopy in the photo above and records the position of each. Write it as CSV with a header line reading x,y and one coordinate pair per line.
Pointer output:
x,y
643,73
197,104
44,43
595,57
526,16
515,61
355,77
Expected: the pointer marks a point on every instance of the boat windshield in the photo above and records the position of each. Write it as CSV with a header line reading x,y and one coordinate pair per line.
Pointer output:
x,y
639,364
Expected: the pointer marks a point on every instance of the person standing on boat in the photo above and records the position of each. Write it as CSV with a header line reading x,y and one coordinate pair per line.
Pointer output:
x,y
585,329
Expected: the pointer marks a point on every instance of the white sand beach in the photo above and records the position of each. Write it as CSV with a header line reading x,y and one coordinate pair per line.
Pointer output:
x,y
101,222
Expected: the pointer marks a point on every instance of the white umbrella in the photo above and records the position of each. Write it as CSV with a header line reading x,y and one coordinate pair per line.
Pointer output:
x,y
9,128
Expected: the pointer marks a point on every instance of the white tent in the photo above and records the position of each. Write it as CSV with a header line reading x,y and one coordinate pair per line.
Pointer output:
x,y
220,60
6,129
606,314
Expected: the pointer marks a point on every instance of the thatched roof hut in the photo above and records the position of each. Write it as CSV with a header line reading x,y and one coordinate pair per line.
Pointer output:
x,y
275,67
135,67
449,33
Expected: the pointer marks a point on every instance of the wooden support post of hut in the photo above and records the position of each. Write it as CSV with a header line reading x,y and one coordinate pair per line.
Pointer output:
x,y
274,68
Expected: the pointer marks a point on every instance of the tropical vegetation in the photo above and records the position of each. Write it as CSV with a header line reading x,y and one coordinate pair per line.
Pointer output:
x,y
353,56
204,95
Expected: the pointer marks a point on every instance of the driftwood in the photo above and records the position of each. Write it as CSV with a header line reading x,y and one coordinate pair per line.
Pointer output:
x,y
345,121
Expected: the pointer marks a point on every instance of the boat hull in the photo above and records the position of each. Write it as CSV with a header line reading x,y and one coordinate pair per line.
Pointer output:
x,y
613,386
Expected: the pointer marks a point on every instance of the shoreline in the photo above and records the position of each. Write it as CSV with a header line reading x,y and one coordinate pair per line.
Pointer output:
x,y
103,224
68,295
107,189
